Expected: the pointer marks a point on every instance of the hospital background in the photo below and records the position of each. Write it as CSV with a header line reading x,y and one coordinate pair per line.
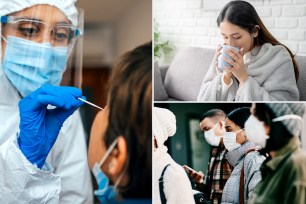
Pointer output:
x,y
193,23
188,146
111,28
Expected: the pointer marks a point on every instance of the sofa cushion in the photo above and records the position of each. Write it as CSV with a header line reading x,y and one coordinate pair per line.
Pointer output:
x,y
301,60
163,70
160,93
186,72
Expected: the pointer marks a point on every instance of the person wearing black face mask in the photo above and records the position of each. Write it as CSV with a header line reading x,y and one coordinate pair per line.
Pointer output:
x,y
283,173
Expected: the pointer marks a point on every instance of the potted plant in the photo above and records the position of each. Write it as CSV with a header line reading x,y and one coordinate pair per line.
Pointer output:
x,y
161,47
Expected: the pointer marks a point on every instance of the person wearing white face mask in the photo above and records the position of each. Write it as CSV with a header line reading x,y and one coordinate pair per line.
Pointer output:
x,y
219,170
242,156
283,173
176,187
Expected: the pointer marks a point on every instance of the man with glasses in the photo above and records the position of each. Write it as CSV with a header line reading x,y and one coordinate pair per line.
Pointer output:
x,y
38,40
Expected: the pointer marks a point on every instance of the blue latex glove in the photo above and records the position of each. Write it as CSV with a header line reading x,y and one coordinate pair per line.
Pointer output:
x,y
39,126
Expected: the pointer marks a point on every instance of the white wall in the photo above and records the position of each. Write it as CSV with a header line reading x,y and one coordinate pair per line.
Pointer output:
x,y
193,22
134,27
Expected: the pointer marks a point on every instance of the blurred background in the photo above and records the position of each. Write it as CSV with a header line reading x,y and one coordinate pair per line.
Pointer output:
x,y
188,146
111,28
184,23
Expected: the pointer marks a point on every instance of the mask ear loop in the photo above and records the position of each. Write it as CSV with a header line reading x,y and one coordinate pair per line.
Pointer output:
x,y
213,129
3,38
123,172
287,117
242,129
245,137
107,153
120,177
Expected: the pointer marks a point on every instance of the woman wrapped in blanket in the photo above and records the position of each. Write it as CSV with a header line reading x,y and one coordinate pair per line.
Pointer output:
x,y
255,67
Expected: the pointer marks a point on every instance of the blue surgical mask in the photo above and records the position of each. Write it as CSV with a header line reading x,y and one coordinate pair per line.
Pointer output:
x,y
29,65
106,193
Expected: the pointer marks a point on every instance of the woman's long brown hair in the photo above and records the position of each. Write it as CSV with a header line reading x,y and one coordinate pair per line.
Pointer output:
x,y
244,15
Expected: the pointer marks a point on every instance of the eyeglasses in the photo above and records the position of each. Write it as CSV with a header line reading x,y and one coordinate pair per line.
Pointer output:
x,y
35,30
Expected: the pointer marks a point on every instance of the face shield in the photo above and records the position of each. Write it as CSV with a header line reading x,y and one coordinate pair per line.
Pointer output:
x,y
39,45
73,73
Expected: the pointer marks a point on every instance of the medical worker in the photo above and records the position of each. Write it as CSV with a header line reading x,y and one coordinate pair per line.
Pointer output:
x,y
38,38
120,150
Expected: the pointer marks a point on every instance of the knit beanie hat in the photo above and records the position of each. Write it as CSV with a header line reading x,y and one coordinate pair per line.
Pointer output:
x,y
239,116
294,126
164,125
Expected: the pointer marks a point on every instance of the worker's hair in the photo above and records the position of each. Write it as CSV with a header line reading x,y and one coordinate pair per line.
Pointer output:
x,y
130,116
214,114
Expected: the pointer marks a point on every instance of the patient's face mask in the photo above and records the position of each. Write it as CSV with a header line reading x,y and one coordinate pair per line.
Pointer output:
x,y
230,141
106,192
29,65
255,129
211,137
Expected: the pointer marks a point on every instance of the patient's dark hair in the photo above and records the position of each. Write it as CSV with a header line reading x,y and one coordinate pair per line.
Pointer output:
x,y
279,135
244,15
130,116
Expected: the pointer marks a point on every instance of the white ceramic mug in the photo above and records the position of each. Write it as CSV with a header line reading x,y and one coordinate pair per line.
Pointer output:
x,y
221,63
